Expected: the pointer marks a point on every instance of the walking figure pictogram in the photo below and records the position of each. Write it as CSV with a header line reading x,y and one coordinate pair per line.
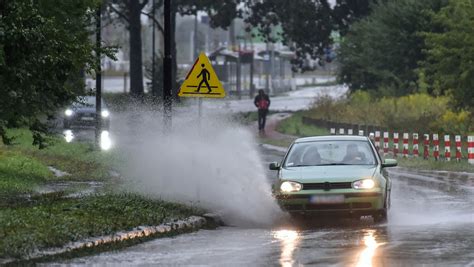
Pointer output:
x,y
205,76
200,76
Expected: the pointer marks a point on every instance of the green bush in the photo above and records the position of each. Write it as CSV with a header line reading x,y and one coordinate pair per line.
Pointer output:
x,y
414,112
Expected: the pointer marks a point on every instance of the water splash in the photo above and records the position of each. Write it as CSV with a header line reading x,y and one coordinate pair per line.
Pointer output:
x,y
213,164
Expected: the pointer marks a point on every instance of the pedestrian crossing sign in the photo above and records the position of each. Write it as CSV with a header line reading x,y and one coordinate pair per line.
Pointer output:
x,y
202,81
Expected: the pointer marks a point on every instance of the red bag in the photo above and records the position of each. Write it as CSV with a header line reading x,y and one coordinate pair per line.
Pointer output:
x,y
263,104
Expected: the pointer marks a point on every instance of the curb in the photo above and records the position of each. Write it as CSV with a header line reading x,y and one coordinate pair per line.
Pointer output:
x,y
178,226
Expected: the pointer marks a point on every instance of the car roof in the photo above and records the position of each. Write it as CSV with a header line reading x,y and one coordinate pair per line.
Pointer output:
x,y
332,138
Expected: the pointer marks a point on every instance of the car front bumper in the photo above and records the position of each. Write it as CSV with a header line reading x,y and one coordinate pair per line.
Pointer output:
x,y
84,122
352,202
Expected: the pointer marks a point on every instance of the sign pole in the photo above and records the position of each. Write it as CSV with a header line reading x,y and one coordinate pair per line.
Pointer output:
x,y
200,110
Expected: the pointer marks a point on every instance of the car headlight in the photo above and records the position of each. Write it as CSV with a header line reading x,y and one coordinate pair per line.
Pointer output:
x,y
68,112
288,186
364,184
105,113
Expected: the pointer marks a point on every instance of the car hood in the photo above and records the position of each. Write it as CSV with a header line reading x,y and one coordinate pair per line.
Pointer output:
x,y
316,174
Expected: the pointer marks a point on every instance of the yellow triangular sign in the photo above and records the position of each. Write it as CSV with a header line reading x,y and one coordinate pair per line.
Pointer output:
x,y
202,81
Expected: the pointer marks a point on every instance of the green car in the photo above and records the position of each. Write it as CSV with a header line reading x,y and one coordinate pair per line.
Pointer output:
x,y
341,175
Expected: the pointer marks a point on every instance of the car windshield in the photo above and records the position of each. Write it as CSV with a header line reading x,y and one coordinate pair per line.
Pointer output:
x,y
325,153
86,101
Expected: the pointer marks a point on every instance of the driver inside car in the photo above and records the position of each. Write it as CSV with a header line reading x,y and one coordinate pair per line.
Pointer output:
x,y
311,157
353,155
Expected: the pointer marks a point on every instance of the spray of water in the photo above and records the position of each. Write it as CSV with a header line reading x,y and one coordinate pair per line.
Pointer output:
x,y
419,201
212,163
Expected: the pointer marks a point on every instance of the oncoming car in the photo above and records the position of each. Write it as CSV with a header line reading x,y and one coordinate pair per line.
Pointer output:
x,y
82,113
333,175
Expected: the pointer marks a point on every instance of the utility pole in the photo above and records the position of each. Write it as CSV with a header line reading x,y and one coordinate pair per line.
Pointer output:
x,y
267,69
98,80
153,76
167,69
238,84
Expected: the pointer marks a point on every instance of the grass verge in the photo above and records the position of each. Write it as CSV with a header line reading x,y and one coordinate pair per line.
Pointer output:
x,y
80,159
294,125
276,142
20,174
431,164
54,222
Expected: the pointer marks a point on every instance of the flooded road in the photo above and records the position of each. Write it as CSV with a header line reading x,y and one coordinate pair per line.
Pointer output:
x,y
431,223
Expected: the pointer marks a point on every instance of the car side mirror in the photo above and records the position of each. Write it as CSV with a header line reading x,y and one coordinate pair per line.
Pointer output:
x,y
274,166
389,163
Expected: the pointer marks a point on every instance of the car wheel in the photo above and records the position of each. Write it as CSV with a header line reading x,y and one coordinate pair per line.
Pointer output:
x,y
297,216
380,217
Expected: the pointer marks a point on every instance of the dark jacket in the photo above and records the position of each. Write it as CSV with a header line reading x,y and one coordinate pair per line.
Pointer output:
x,y
262,102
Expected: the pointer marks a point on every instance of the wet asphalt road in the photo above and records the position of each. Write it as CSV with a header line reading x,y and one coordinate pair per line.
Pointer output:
x,y
431,223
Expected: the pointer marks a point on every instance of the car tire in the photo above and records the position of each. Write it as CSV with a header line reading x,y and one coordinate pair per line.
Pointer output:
x,y
380,217
296,216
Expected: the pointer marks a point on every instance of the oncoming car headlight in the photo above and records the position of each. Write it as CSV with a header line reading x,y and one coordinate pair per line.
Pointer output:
x,y
364,184
68,112
288,186
105,113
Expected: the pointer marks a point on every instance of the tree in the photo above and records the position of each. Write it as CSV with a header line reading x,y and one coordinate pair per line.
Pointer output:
x,y
382,52
306,24
130,12
44,48
346,12
450,52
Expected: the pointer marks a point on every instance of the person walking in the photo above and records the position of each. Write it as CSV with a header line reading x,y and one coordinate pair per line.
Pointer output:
x,y
262,102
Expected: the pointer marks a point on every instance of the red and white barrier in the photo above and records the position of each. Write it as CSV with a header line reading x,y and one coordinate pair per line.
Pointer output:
x,y
405,145
457,139
426,146
447,148
385,143
436,146
377,140
395,144
415,145
470,149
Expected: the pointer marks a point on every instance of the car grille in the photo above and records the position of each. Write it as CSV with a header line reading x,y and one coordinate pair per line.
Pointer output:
x,y
339,206
361,205
343,206
327,186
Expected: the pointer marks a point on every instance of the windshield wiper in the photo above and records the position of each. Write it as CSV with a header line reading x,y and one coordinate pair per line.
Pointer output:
x,y
300,165
333,164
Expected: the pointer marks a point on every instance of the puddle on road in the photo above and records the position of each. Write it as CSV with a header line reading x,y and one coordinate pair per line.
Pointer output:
x,y
424,200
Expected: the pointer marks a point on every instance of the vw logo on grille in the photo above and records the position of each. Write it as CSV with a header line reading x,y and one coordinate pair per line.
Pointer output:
x,y
327,186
